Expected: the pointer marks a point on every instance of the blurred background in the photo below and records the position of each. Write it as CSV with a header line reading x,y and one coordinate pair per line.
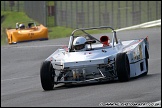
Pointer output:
x,y
77,14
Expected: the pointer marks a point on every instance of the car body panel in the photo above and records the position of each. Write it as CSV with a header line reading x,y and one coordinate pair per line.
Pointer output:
x,y
38,32
98,62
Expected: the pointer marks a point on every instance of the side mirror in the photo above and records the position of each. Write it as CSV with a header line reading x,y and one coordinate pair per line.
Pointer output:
x,y
105,40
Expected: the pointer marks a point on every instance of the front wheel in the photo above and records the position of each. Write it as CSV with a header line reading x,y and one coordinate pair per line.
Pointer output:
x,y
47,75
122,67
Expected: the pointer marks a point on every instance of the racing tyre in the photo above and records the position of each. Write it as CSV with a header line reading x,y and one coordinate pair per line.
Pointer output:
x,y
146,59
47,75
146,66
122,67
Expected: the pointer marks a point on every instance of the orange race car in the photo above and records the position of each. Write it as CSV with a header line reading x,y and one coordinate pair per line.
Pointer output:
x,y
28,32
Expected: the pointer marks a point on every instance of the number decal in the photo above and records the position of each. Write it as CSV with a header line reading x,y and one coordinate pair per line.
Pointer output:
x,y
31,34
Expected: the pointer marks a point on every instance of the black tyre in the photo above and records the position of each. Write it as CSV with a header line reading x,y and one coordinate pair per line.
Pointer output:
x,y
122,67
146,59
146,67
47,75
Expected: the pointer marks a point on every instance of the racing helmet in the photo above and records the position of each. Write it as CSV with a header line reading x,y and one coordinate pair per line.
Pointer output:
x,y
22,26
79,44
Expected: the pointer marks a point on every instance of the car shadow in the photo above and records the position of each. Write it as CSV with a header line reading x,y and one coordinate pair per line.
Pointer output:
x,y
71,86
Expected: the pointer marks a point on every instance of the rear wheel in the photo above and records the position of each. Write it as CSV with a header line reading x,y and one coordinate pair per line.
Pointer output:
x,y
146,60
122,67
47,75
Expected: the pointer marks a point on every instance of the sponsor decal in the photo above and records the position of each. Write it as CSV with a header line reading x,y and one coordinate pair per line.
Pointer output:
x,y
137,54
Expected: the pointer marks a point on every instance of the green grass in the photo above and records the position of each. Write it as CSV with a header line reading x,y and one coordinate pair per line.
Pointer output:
x,y
10,19
50,3
59,32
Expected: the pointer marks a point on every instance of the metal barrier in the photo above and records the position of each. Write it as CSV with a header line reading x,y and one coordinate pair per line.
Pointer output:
x,y
12,6
76,14
118,14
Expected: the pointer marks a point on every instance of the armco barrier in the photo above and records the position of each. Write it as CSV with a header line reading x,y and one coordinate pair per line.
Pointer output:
x,y
143,25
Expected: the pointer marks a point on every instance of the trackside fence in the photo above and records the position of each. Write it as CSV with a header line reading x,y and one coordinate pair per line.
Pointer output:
x,y
76,14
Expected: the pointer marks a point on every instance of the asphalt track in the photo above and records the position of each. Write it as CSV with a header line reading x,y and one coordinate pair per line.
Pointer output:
x,y
21,87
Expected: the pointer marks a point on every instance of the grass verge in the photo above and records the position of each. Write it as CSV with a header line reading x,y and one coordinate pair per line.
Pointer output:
x,y
10,19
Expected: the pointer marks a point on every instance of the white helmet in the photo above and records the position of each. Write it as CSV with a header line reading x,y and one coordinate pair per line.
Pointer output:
x,y
79,44
22,26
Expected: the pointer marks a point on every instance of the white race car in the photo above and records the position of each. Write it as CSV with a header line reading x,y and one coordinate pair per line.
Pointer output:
x,y
101,60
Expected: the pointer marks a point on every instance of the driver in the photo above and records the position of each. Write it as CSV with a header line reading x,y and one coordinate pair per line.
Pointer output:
x,y
80,44
22,26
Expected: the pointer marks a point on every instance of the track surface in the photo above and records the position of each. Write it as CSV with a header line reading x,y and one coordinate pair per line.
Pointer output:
x,y
21,87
